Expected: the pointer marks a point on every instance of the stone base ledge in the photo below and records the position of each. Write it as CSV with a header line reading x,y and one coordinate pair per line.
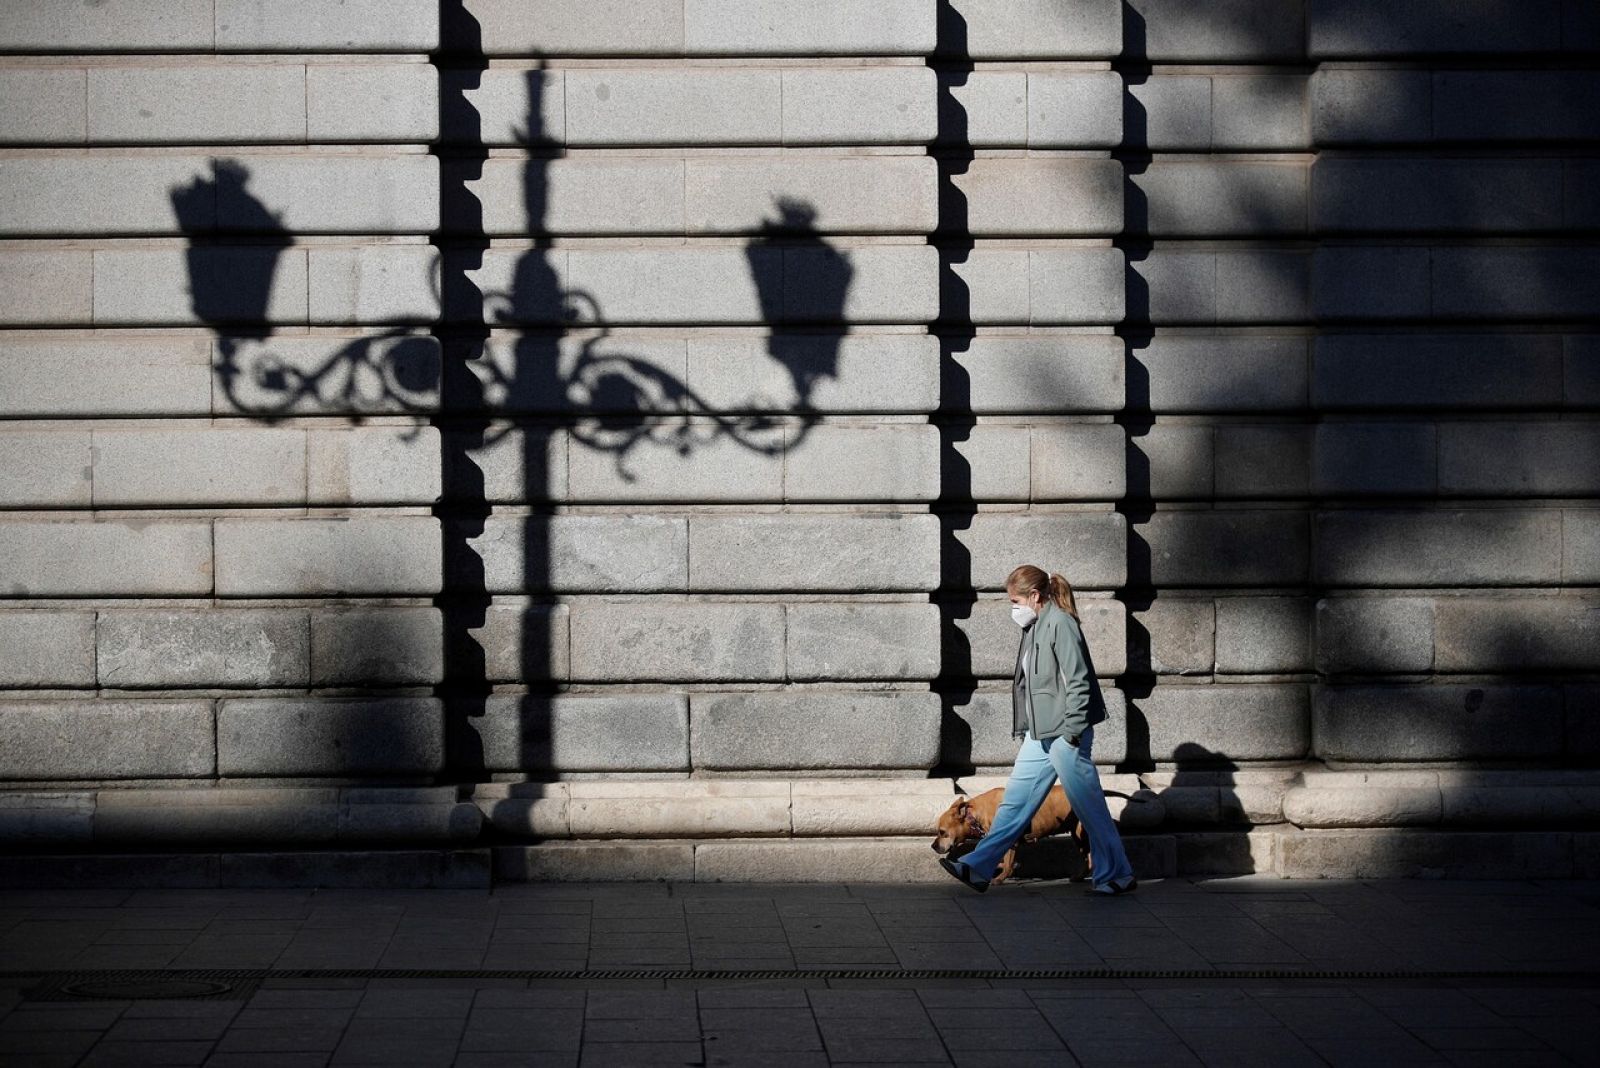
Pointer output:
x,y
238,816
1444,798
780,808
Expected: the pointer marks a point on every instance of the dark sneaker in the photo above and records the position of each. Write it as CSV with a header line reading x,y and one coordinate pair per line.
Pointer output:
x,y
963,873
1112,889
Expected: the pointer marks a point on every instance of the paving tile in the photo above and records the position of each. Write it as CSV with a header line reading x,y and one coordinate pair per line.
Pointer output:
x,y
111,1054
269,1040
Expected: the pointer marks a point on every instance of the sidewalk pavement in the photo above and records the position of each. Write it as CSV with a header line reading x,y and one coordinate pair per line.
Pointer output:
x,y
1222,972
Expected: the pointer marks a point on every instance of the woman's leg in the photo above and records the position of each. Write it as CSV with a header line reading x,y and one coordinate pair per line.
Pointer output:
x,y
1081,782
1031,778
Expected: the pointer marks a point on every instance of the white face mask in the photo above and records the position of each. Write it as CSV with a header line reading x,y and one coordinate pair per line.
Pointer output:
x,y
1023,616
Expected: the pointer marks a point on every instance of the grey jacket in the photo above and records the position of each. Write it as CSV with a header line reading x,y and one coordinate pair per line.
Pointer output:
x,y
1061,695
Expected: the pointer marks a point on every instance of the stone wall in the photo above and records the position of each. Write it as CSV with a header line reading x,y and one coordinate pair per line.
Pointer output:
x,y
595,435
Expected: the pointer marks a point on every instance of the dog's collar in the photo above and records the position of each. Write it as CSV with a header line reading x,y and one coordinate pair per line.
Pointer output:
x,y
974,828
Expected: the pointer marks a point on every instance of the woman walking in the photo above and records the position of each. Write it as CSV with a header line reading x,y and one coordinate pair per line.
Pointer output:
x,y
1056,701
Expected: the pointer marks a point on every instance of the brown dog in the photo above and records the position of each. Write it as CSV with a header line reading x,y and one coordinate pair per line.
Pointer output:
x,y
967,819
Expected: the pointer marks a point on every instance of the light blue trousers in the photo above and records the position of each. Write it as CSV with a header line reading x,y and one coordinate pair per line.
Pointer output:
x,y
1038,764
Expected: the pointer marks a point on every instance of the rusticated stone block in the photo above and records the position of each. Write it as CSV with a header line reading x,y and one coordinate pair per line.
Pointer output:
x,y
844,373
511,643
1372,282
861,641
824,27
1520,459
46,105
1366,799
46,287
577,196
1501,282
1219,373
861,105
534,809
1531,799
1043,197
861,463
203,648
42,376
1263,635
677,809
1168,111
636,732
374,284
388,555
852,194
43,558
373,465
1259,111
1227,548
1353,107
588,862
178,468
868,860
1515,105
609,106
1439,722
1263,461
1580,546
1089,548
1074,109
857,552
507,464
372,102
1075,285
568,27
1078,462
142,25
654,642
308,194
56,817
987,108
1219,198
106,740
43,648
1038,374
794,730
1355,371
1370,29
1370,635
503,106
1368,854
1173,636
577,554
368,869
231,815
307,736
317,375
995,464
212,103
1375,459
1172,461
1225,852
1200,725
306,25
1516,634
49,195
1229,31
1387,196
45,469
160,286
713,465
395,646
1428,548
1031,29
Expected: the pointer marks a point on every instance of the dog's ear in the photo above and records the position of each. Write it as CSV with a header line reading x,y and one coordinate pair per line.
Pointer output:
x,y
962,804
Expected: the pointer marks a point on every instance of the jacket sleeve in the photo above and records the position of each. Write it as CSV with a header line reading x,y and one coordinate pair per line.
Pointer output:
x,y
1076,687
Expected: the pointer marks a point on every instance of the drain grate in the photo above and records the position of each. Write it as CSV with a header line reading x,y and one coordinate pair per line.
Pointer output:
x,y
144,986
